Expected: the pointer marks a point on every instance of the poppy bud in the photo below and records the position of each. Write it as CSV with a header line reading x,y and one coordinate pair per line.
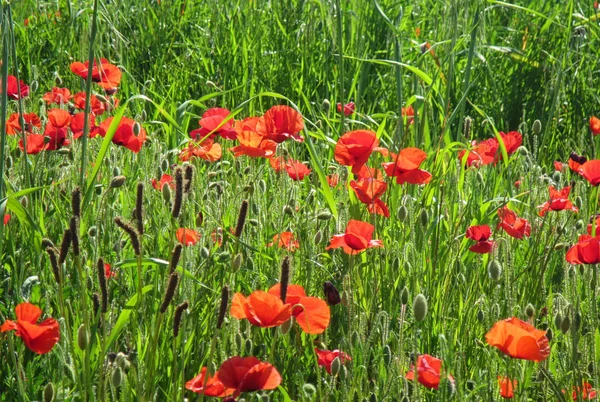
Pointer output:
x,y
326,106
577,321
579,224
33,86
253,222
285,327
248,346
237,262
560,246
82,337
424,217
480,316
402,213
335,366
116,377
136,128
467,127
529,310
404,295
495,270
166,193
49,392
117,181
420,307
471,385
565,325
523,151
556,176
222,257
318,237
287,210
324,216
204,253
578,202
309,391
537,127
262,186
92,231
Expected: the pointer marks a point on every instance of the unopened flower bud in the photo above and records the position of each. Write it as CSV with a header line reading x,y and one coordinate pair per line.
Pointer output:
x,y
82,337
326,105
404,295
117,181
318,237
166,192
402,213
529,310
579,224
117,377
424,217
237,262
480,316
420,307
565,325
537,127
136,129
92,231
324,216
495,270
287,210
335,366
49,392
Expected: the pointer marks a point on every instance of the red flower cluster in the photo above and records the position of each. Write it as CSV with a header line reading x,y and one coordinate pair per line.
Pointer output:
x,y
107,75
326,357
487,152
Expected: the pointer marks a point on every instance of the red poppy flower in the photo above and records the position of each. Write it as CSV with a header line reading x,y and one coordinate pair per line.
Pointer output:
x,y
518,184
428,371
107,75
507,387
208,386
59,118
56,137
558,166
59,96
586,392
369,192
515,227
586,251
409,114
369,173
40,338
164,179
285,240
590,227
483,153
311,313
247,374
357,238
296,170
214,121
348,108
512,141
277,163
405,167
13,124
575,162
559,201
595,125
35,143
6,218
519,340
252,143
481,235
207,149
77,125
124,135
282,123
326,357
354,148
187,237
333,180
109,272
13,88
261,309
591,171
96,105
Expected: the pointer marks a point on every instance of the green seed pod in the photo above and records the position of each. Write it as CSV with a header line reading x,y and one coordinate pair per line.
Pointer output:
x,y
222,257
404,295
116,378
420,307
116,171
49,392
335,366
318,237
565,325
529,310
495,270
537,127
247,170
324,216
164,165
117,181
166,193
579,224
82,337
424,217
402,213
557,320
237,262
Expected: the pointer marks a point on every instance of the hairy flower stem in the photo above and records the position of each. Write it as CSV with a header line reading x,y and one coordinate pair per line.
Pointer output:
x,y
151,363
83,306
11,351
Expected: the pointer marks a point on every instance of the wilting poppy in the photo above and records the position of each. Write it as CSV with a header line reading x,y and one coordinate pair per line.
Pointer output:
x,y
482,153
333,180
354,148
6,218
59,96
13,124
40,338
205,149
514,226
247,374
285,240
252,143
507,387
13,88
311,313
107,75
591,171
519,340
405,167
559,201
210,386
369,192
428,371
348,108
125,135
164,179
262,309
481,235
575,162
187,237
296,169
586,251
326,357
595,125
214,121
357,238
331,294
96,105
282,123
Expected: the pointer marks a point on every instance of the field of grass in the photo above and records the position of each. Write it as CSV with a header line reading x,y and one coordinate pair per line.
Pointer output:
x,y
493,100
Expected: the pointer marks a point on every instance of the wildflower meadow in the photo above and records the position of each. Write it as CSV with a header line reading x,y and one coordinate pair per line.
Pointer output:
x,y
325,200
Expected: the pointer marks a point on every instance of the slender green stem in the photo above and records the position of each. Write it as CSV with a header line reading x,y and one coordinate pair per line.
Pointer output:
x,y
340,40
3,110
